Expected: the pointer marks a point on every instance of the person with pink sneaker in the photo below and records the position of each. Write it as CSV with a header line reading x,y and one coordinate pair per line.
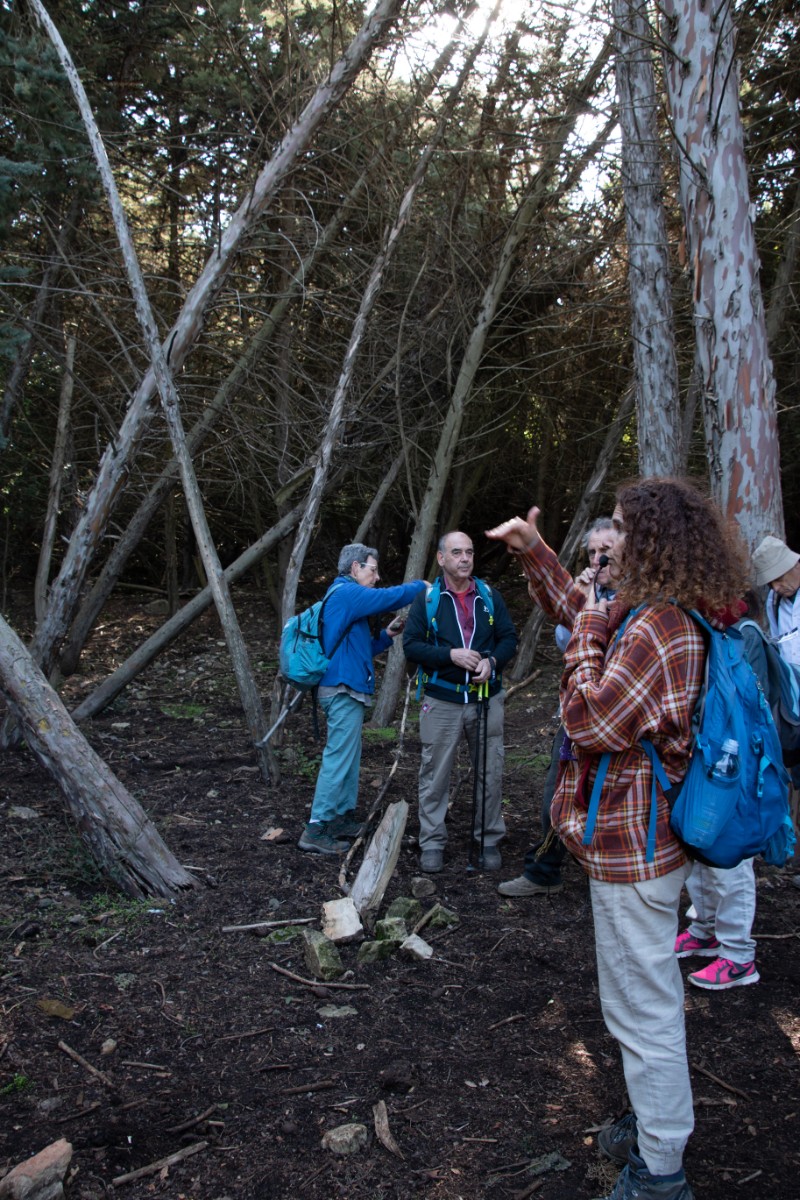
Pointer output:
x,y
725,903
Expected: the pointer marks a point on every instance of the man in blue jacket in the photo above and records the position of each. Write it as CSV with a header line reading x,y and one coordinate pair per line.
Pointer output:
x,y
347,688
461,648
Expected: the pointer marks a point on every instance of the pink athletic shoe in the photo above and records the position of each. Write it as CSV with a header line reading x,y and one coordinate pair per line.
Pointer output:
x,y
687,944
722,974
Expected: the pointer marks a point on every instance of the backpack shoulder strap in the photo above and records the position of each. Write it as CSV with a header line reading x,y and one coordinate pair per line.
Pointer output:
x,y
485,593
321,622
432,599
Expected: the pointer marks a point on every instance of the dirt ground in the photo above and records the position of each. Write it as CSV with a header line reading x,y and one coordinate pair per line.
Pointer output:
x,y
492,1060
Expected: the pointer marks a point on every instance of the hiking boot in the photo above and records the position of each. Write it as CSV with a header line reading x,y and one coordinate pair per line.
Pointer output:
x,y
491,859
636,1183
686,945
522,886
317,838
345,827
722,974
617,1140
431,861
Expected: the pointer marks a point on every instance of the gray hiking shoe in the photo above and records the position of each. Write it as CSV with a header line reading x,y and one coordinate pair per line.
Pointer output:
x,y
617,1140
636,1183
317,838
522,886
431,861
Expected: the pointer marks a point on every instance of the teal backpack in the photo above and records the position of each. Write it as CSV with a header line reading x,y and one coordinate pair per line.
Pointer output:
x,y
733,802
303,660
432,598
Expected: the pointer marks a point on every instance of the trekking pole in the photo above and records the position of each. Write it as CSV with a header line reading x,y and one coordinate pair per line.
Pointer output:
x,y
477,775
289,708
483,710
476,759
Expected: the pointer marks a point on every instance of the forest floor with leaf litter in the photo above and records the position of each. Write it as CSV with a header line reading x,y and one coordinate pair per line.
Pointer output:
x,y
492,1060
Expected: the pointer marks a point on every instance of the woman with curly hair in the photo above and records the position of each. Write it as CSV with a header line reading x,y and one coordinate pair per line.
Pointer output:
x,y
633,670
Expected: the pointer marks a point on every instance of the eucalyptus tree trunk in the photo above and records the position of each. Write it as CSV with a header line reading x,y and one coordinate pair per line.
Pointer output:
x,y
529,640
116,461
114,827
370,295
652,325
738,384
536,198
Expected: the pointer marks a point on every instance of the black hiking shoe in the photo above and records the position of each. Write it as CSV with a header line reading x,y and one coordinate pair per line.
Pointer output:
x,y
636,1183
317,838
617,1140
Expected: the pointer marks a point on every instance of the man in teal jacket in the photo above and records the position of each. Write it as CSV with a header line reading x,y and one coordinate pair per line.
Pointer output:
x,y
347,688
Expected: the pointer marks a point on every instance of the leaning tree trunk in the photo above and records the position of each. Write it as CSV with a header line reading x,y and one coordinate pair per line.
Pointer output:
x,y
442,464
144,654
237,648
652,324
116,461
533,626
738,383
370,295
117,831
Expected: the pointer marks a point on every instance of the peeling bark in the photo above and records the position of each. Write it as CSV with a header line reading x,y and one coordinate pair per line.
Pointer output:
x,y
738,386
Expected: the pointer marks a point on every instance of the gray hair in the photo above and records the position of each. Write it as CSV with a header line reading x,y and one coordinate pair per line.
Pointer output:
x,y
598,526
355,552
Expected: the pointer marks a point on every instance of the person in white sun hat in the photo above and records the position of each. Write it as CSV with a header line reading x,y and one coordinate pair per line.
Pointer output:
x,y
775,564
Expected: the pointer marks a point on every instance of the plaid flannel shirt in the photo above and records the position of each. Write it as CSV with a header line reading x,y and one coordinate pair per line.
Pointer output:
x,y
614,692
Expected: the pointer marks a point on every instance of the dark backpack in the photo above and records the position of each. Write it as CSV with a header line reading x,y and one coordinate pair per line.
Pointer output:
x,y
782,688
728,806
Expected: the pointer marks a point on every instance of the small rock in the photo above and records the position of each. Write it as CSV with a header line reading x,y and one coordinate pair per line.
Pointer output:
x,y
41,1176
441,918
415,947
340,920
421,887
408,909
322,957
345,1139
22,813
108,1046
391,929
337,1010
370,952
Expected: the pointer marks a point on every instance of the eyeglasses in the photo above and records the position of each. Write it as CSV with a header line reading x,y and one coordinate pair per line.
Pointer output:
x,y
370,567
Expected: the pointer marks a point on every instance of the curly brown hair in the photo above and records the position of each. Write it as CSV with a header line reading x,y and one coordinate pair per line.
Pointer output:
x,y
678,546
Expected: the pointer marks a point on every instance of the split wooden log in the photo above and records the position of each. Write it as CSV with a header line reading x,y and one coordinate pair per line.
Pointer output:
x,y
379,862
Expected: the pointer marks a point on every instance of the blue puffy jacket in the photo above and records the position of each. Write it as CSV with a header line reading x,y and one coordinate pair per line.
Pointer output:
x,y
348,608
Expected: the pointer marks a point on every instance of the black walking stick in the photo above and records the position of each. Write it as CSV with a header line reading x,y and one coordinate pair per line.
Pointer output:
x,y
482,716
